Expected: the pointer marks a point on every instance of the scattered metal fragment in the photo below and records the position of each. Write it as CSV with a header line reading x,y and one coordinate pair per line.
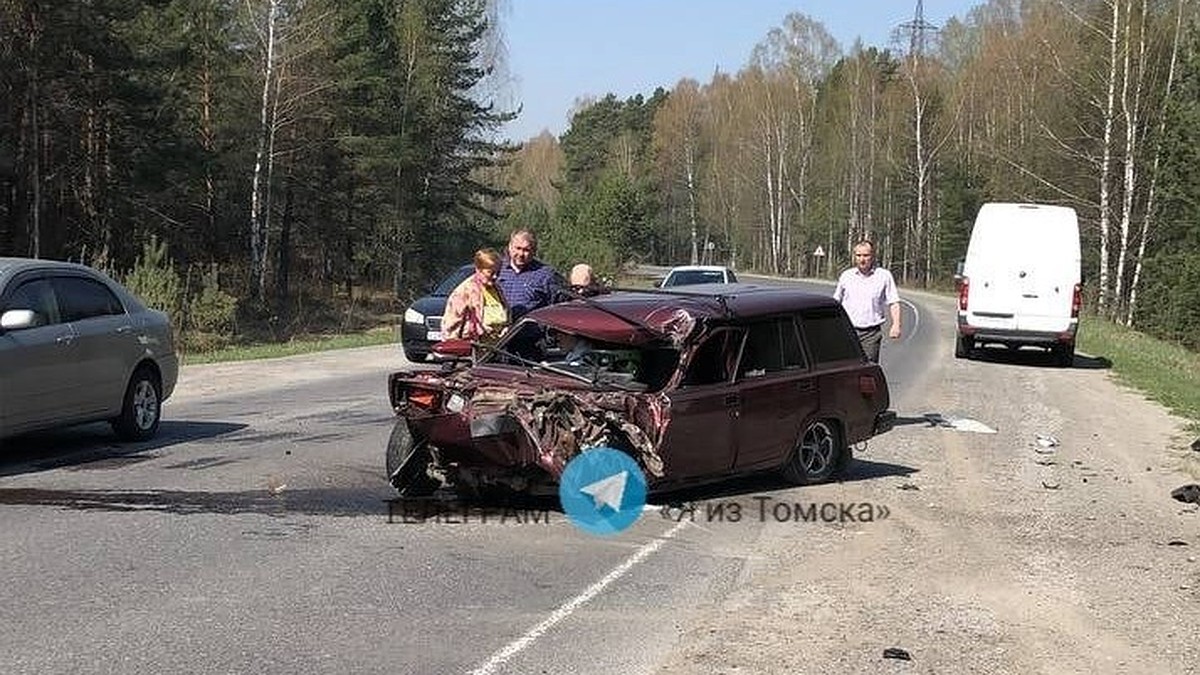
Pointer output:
x,y
896,653
1196,445
908,486
1188,494
1045,462
974,426
958,423
1047,441
1050,486
1177,542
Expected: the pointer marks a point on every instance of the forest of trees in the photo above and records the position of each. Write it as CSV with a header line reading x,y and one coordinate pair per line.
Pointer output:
x,y
292,148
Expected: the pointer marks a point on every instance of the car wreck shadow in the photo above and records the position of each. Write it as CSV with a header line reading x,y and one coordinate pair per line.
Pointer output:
x,y
94,446
859,470
1037,358
339,501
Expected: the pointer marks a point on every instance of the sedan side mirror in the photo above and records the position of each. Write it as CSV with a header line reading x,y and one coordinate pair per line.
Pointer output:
x,y
17,319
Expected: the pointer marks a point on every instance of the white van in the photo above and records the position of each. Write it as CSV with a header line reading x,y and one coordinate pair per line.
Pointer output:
x,y
1020,284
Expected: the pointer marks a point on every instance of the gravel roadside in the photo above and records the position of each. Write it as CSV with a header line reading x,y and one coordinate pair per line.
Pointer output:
x,y
998,554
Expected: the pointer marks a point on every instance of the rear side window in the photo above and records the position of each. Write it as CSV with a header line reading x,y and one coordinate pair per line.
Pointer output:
x,y
690,277
451,282
771,346
830,336
80,298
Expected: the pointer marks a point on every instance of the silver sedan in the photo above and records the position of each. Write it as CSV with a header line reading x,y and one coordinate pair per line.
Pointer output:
x,y
76,346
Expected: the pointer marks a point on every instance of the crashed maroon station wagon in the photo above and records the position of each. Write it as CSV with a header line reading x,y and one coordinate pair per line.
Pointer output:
x,y
697,386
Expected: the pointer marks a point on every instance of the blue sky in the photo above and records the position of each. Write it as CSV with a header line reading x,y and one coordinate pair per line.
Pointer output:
x,y
561,50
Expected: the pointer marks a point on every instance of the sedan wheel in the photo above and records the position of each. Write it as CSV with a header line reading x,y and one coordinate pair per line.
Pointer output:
x,y
141,411
817,456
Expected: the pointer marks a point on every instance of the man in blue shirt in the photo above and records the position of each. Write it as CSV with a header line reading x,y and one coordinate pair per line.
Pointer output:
x,y
527,283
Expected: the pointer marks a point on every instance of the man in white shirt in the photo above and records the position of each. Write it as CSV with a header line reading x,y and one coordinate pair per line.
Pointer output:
x,y
865,292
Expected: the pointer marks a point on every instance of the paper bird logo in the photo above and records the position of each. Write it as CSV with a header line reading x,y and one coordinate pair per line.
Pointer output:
x,y
602,491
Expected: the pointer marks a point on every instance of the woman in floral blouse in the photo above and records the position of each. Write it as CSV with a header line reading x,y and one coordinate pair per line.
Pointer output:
x,y
476,309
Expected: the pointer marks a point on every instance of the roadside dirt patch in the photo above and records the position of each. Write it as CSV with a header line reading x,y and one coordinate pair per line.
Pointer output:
x,y
1000,555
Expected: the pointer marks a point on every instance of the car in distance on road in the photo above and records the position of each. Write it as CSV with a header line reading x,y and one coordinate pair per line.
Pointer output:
x,y
422,327
697,385
76,346
688,275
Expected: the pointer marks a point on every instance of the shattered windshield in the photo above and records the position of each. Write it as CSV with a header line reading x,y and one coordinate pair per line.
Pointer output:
x,y
645,367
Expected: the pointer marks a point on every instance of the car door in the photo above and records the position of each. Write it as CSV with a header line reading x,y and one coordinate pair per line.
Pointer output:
x,y
839,369
106,342
777,394
699,436
37,363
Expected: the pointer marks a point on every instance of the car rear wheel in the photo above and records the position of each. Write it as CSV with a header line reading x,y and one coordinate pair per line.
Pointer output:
x,y
817,456
141,410
415,356
406,461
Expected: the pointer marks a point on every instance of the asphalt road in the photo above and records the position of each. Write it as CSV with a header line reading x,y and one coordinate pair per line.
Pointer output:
x,y
253,536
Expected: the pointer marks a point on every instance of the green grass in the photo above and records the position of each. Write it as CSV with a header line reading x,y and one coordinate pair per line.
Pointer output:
x,y
1165,372
377,336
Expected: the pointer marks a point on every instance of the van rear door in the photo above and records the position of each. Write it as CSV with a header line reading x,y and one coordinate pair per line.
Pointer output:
x,y
1049,272
1045,299
1022,267
993,294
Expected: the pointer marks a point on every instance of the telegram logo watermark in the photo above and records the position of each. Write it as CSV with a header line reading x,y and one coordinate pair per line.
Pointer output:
x,y
602,491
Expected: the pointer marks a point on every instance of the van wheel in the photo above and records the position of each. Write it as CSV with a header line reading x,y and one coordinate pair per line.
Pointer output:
x,y
141,409
1064,355
963,347
818,455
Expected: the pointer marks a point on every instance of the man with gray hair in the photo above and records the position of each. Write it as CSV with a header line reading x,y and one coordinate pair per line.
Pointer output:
x,y
582,281
866,293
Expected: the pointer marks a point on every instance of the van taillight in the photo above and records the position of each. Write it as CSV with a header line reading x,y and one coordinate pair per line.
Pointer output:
x,y
1076,301
962,294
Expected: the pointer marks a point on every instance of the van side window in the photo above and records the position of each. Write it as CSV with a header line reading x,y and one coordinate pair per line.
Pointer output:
x,y
830,336
771,346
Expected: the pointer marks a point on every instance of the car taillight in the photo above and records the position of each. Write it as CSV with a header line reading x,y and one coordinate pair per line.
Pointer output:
x,y
963,287
1076,301
423,398
867,385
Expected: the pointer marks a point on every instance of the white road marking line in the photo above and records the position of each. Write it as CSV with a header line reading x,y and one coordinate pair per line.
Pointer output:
x,y
516,646
916,316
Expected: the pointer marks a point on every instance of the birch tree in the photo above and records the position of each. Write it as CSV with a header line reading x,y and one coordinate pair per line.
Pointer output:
x,y
1149,214
677,141
800,53
268,28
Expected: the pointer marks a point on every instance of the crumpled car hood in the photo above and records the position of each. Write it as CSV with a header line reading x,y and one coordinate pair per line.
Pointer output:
x,y
555,422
